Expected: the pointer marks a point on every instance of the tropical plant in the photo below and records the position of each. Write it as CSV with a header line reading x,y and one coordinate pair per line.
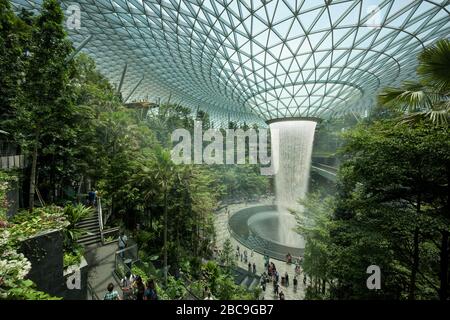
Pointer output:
x,y
428,98
74,214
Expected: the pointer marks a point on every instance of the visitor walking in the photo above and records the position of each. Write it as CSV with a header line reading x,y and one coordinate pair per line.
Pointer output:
x,y
263,284
304,279
249,267
295,281
111,294
139,288
286,278
150,292
275,287
126,284
281,295
206,292
92,195
209,296
254,268
123,239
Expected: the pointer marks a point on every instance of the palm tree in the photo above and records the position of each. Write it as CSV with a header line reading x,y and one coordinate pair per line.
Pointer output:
x,y
429,97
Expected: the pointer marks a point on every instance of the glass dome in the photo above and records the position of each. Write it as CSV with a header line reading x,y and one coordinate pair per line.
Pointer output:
x,y
257,60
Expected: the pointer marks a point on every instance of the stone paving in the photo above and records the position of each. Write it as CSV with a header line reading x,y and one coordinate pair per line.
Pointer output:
x,y
222,233
101,267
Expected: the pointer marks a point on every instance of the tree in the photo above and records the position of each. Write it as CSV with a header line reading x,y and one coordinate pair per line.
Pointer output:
x,y
44,101
394,184
430,97
227,256
14,35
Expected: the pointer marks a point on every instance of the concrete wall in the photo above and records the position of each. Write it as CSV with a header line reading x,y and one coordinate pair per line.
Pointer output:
x,y
45,252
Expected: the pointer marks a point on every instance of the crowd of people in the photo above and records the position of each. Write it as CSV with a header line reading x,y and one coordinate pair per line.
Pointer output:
x,y
271,274
133,288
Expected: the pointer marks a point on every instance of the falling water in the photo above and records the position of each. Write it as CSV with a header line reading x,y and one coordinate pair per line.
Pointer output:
x,y
292,143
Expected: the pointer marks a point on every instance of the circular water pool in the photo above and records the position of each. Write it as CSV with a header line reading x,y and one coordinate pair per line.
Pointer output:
x,y
259,228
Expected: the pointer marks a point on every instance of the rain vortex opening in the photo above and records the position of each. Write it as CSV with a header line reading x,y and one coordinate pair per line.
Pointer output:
x,y
292,143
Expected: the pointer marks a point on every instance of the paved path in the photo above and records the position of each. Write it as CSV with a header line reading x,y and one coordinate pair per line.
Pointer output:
x,y
222,233
101,267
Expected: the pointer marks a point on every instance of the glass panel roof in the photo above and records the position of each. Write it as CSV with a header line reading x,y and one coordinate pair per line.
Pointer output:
x,y
256,60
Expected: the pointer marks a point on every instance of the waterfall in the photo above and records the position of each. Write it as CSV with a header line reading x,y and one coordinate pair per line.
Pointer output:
x,y
292,143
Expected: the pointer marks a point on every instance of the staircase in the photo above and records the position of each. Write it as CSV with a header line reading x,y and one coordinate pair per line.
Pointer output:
x,y
90,227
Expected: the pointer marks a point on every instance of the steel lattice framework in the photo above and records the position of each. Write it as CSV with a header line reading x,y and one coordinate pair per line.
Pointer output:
x,y
257,60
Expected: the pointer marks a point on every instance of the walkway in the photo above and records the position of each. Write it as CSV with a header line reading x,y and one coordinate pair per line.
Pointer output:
x,y
222,233
101,267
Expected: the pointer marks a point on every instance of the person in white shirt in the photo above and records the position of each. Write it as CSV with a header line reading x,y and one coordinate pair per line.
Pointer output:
x,y
126,285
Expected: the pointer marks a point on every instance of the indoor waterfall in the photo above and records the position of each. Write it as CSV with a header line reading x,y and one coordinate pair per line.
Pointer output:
x,y
292,143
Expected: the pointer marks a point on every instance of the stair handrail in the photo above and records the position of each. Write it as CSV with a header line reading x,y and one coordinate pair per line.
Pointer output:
x,y
100,216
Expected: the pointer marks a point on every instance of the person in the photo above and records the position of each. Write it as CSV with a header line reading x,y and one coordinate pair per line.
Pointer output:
x,y
209,296
263,284
304,279
289,258
237,249
249,268
126,285
122,242
150,292
275,287
281,295
91,198
297,269
206,292
139,288
286,277
111,294
254,268
295,283
277,276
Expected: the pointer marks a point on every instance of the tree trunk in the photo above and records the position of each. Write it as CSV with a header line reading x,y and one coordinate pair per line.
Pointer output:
x,y
444,254
33,176
415,266
165,238
443,289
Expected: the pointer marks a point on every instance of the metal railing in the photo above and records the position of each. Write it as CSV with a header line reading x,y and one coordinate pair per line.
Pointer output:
x,y
12,162
100,217
124,260
92,295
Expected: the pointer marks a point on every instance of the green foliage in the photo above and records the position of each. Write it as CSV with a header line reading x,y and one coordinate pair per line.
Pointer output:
x,y
15,266
227,254
73,257
390,210
429,97
25,224
74,214
6,178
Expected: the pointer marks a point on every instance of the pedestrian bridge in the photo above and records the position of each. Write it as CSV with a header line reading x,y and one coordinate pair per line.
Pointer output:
x,y
326,171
